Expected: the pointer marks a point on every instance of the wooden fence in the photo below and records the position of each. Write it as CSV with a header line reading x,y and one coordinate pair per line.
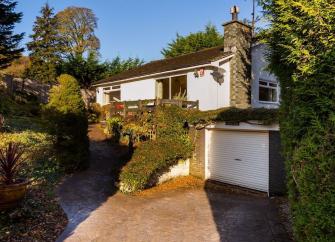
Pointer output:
x,y
131,108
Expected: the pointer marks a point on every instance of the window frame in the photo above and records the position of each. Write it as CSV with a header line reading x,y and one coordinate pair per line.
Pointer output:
x,y
170,83
268,86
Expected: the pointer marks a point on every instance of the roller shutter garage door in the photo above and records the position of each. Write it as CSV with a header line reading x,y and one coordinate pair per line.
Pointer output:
x,y
239,158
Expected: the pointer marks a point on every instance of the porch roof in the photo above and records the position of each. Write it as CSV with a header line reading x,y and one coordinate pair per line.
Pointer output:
x,y
202,57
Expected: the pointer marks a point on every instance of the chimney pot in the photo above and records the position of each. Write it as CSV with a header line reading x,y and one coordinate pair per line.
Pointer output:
x,y
234,12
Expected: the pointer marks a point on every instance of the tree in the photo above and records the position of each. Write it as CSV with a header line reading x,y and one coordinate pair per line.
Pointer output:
x,y
85,70
117,65
193,42
88,70
44,48
301,38
18,67
67,121
9,41
76,27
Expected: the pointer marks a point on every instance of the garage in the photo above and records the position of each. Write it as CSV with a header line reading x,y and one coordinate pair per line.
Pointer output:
x,y
245,155
239,158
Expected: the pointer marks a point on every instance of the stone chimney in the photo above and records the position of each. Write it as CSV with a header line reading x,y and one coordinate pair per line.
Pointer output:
x,y
237,39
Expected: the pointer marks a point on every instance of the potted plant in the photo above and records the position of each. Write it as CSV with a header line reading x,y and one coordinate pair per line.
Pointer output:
x,y
12,189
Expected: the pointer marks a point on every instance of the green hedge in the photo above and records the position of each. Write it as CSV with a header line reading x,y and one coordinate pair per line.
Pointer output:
x,y
150,160
263,115
301,40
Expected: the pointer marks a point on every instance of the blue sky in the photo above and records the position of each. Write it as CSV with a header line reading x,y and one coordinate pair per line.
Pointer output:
x,y
140,28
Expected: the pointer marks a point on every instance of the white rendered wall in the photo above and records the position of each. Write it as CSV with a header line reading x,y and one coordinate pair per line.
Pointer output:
x,y
211,95
138,90
258,71
181,169
99,96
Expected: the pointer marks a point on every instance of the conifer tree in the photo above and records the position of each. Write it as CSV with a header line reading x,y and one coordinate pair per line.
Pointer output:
x,y
45,47
193,42
301,37
9,41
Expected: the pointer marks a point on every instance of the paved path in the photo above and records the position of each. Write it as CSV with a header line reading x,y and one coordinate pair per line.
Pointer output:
x,y
98,213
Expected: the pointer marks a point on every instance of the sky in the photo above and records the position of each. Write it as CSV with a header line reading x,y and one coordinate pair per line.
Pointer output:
x,y
140,28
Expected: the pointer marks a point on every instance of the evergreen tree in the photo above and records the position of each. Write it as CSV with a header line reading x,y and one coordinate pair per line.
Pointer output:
x,y
193,42
85,70
44,48
67,121
117,65
9,41
301,38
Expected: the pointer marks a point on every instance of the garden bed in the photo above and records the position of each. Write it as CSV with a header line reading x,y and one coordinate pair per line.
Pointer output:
x,y
39,217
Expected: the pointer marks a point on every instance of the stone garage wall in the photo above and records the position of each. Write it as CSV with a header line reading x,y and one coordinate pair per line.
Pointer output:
x,y
197,162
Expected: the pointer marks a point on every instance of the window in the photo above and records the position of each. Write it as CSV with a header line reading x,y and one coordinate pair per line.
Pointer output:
x,y
268,91
111,94
172,88
163,88
179,87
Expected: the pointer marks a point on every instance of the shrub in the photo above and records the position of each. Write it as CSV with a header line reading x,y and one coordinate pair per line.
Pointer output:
x,y
95,113
67,121
264,115
150,160
114,128
10,162
302,53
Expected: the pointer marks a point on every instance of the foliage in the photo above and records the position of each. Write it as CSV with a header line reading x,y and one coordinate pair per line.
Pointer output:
x,y
193,42
39,216
67,120
263,115
9,41
114,128
153,157
18,67
10,162
301,38
95,113
117,65
88,70
85,70
76,28
45,47
18,104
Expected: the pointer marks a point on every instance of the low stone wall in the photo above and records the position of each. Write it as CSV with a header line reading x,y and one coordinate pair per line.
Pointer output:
x,y
181,169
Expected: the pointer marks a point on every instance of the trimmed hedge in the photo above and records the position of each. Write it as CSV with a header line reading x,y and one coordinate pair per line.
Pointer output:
x,y
150,160
154,157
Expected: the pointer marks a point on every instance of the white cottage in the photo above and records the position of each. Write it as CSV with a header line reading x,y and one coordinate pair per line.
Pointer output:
x,y
230,75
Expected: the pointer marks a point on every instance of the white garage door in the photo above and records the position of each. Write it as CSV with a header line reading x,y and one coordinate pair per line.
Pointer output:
x,y
239,158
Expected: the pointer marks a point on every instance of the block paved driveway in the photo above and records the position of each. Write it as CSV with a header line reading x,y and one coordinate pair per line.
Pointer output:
x,y
97,212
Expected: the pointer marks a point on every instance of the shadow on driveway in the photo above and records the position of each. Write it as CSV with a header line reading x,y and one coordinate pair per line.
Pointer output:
x,y
85,191
245,217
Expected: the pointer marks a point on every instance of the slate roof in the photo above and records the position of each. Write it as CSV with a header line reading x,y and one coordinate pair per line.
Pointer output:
x,y
202,57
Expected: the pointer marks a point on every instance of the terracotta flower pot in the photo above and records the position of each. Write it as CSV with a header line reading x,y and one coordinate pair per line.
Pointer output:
x,y
12,195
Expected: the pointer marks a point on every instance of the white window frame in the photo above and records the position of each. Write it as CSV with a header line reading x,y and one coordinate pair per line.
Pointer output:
x,y
107,90
268,82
